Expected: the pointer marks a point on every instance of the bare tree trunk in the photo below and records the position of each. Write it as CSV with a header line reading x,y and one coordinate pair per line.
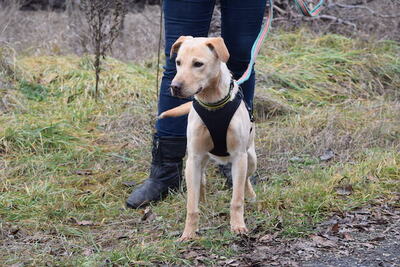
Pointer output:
x,y
104,19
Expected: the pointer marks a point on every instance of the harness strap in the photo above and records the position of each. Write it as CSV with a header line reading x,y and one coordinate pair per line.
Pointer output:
x,y
265,29
222,102
217,122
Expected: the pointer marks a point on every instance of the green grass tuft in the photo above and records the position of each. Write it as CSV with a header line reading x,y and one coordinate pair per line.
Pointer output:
x,y
65,156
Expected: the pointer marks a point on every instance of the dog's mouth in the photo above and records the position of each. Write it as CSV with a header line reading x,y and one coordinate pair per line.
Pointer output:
x,y
178,93
198,90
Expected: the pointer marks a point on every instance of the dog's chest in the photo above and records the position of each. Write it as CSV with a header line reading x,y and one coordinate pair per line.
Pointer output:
x,y
217,122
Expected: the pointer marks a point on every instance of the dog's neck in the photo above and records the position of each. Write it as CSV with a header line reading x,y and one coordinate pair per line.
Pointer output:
x,y
218,88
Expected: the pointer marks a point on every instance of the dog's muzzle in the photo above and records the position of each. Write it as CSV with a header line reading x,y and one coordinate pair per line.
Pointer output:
x,y
176,89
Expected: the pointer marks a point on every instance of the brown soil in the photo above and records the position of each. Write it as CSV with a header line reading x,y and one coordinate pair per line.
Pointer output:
x,y
364,237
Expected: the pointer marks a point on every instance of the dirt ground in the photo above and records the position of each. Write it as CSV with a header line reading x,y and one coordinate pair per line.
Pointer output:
x,y
369,236
365,237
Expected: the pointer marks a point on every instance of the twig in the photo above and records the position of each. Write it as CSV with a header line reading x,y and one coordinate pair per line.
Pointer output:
x,y
363,2
363,7
280,10
390,228
123,222
334,19
204,229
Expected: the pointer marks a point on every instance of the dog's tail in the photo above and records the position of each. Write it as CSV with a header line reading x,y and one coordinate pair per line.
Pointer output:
x,y
178,111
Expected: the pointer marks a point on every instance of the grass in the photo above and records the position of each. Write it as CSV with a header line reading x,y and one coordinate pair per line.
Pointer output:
x,y
329,69
64,156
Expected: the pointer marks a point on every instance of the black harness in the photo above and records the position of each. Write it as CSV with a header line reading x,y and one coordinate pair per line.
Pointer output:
x,y
217,117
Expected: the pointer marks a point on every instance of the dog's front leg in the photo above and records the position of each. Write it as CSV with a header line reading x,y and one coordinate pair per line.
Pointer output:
x,y
239,171
193,175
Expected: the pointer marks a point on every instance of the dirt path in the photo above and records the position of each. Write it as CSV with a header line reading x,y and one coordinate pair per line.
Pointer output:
x,y
364,237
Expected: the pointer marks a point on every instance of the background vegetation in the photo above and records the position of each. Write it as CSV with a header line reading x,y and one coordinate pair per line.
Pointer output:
x,y
328,141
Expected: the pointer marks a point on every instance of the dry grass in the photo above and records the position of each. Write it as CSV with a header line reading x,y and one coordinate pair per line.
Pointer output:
x,y
64,33
64,156
347,130
59,33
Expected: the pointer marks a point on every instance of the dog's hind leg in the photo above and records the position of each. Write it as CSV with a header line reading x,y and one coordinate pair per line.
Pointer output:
x,y
203,188
251,168
250,194
203,183
193,175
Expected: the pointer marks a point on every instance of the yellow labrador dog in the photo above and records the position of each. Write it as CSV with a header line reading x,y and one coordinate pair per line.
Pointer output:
x,y
202,73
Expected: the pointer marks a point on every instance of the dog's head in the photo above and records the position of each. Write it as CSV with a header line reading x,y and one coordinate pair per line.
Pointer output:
x,y
198,64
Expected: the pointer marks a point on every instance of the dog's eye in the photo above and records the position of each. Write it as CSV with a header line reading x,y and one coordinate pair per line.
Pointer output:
x,y
198,64
178,62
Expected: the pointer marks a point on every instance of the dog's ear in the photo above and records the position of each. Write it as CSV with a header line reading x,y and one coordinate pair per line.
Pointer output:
x,y
217,45
177,44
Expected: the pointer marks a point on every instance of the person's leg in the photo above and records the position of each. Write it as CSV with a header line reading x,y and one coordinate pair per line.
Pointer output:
x,y
240,26
182,17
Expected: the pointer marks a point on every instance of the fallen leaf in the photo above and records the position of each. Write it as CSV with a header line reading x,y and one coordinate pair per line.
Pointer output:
x,y
344,190
347,236
378,238
365,227
82,223
368,245
191,255
124,145
296,159
330,237
232,262
87,252
174,233
49,78
328,155
363,212
305,246
84,172
334,228
14,230
266,238
322,242
200,259
221,214
148,215
85,223
129,183
290,263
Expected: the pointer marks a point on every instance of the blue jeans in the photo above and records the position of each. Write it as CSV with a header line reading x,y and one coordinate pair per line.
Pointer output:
x,y
241,22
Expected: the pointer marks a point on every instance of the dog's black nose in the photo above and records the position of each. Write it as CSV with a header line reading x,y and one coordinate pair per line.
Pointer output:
x,y
176,88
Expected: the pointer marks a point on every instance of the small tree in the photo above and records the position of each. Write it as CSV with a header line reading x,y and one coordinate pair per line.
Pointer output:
x,y
105,20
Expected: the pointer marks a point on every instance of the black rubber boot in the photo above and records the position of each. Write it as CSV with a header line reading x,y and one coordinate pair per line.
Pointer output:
x,y
165,172
226,171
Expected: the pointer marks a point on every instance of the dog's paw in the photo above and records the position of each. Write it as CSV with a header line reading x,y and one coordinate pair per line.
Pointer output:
x,y
161,116
239,229
187,237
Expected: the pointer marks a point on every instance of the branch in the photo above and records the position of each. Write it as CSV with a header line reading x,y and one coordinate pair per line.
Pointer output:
x,y
362,2
363,7
329,17
280,10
